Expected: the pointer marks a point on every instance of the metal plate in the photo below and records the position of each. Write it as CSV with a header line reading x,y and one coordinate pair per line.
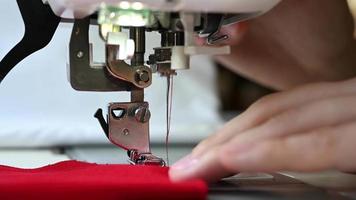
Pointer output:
x,y
125,130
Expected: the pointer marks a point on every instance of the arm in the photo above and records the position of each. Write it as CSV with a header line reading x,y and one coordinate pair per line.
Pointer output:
x,y
297,42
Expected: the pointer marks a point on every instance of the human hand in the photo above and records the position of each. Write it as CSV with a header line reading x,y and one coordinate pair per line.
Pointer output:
x,y
309,128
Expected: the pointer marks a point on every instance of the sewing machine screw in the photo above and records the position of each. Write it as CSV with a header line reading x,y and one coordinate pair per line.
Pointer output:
x,y
142,114
142,77
80,54
126,132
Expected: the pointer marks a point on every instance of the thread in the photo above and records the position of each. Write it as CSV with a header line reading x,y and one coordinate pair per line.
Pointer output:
x,y
169,102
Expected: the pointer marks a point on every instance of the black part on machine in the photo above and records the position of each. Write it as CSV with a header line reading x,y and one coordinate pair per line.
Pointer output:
x,y
104,125
40,26
211,23
83,76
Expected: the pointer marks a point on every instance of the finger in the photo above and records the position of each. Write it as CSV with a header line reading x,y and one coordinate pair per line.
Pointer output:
x,y
206,168
272,105
314,115
322,149
313,151
238,124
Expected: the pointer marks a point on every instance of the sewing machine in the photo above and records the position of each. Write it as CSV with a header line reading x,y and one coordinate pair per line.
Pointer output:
x,y
178,22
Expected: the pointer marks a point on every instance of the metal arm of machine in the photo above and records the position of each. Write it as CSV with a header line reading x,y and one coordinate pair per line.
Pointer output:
x,y
128,123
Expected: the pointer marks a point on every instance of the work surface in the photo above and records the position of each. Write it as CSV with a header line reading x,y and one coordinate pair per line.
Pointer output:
x,y
244,186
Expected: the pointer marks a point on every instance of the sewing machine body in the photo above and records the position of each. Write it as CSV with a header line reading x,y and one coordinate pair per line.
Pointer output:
x,y
125,69
178,22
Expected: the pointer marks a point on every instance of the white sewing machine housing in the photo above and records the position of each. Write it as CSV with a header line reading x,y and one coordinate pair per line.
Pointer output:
x,y
196,16
82,8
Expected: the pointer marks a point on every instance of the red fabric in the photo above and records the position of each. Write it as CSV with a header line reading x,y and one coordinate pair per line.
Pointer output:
x,y
78,180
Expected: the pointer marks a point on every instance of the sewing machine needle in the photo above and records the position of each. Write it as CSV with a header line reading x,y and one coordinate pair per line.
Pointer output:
x,y
169,111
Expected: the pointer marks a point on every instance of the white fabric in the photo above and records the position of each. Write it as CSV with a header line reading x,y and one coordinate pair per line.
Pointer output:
x,y
38,107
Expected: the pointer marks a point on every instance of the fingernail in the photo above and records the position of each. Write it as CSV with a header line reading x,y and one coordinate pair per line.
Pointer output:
x,y
184,163
183,169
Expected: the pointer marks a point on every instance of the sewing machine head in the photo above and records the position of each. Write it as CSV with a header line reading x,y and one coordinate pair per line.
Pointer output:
x,y
178,22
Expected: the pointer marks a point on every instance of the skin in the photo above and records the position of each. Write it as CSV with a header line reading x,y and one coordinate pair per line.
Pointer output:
x,y
305,49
